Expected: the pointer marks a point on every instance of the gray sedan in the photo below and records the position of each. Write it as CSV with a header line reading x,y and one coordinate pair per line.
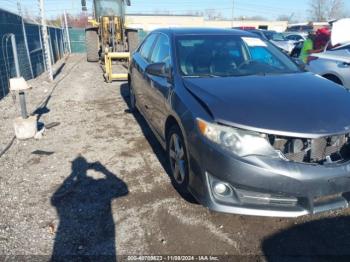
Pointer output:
x,y
245,131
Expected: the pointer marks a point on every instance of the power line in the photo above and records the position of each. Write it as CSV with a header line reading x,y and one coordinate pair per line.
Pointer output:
x,y
235,8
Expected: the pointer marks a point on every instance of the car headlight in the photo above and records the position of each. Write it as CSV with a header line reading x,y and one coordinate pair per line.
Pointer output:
x,y
238,141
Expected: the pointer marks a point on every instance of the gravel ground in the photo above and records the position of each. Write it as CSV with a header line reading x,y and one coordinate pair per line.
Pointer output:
x,y
97,185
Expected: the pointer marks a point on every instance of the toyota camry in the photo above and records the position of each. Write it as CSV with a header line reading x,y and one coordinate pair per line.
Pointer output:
x,y
245,130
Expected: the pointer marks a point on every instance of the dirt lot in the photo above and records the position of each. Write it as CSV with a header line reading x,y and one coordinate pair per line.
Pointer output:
x,y
97,185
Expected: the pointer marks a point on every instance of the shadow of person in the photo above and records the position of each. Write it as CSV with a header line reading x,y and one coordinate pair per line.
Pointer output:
x,y
153,142
83,203
326,239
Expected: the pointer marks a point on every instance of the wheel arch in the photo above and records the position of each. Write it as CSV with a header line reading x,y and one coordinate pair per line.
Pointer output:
x,y
333,77
173,120
170,121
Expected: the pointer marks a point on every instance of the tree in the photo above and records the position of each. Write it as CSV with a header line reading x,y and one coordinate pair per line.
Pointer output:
x,y
256,18
336,9
318,9
324,10
79,20
251,18
283,18
30,16
194,13
55,22
212,14
289,18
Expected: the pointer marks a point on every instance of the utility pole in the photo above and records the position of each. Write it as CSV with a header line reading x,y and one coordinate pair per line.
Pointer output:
x,y
19,7
15,55
46,39
291,17
233,12
65,48
67,31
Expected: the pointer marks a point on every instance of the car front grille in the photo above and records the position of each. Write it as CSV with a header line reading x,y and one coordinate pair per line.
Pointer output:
x,y
323,150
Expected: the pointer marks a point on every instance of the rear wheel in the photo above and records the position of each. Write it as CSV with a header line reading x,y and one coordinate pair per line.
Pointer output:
x,y
177,158
92,46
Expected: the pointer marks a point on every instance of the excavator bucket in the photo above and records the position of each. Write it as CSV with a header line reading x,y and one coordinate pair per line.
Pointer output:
x,y
109,58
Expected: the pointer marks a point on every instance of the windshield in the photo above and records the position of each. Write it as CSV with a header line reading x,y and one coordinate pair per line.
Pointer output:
x,y
275,36
230,55
109,8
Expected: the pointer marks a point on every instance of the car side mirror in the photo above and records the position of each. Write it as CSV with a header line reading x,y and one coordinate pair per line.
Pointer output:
x,y
158,69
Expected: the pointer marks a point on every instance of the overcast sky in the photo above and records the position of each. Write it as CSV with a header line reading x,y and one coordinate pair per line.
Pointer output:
x,y
270,9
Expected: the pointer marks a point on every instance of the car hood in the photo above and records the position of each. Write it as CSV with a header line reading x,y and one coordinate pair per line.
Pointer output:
x,y
340,32
337,55
298,105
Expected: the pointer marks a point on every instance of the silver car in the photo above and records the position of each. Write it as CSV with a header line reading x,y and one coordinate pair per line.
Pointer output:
x,y
277,39
332,64
295,36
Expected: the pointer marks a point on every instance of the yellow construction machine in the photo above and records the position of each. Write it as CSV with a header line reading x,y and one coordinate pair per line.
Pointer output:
x,y
108,38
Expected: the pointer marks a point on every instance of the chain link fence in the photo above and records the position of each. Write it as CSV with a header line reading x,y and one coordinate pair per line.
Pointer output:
x,y
29,48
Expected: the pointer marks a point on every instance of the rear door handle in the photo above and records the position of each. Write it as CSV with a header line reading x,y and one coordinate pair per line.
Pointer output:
x,y
346,64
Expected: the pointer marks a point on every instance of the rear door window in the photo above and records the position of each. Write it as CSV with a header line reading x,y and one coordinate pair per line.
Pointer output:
x,y
292,37
146,47
161,51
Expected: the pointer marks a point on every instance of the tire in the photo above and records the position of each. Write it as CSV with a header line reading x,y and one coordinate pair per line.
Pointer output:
x,y
177,159
133,40
92,46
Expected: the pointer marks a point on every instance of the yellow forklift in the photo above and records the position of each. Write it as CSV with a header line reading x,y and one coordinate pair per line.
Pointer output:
x,y
108,38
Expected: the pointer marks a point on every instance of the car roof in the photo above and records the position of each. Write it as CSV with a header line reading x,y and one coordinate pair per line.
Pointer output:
x,y
261,31
203,31
256,31
294,33
269,31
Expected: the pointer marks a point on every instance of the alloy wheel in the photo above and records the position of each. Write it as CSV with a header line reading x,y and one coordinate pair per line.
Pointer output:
x,y
177,158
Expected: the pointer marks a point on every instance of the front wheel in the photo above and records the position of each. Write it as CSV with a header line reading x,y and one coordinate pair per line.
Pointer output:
x,y
177,158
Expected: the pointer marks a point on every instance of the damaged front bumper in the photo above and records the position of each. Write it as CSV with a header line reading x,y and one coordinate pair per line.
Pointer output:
x,y
265,186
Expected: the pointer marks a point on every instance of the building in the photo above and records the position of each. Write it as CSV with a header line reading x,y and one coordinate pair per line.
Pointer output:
x,y
154,21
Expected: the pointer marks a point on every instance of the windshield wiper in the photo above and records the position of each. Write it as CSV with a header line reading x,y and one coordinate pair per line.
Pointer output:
x,y
248,74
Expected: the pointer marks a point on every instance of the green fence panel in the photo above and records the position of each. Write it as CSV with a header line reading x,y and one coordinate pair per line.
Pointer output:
x,y
77,40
